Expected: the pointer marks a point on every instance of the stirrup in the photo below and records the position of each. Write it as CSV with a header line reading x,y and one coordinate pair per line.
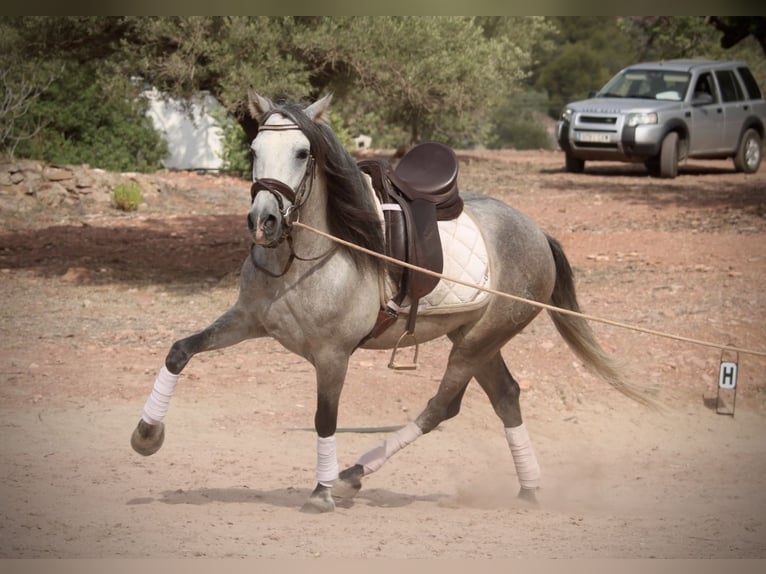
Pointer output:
x,y
392,364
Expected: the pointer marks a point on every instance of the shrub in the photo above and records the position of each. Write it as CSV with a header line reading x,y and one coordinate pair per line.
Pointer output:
x,y
235,151
127,196
82,122
521,124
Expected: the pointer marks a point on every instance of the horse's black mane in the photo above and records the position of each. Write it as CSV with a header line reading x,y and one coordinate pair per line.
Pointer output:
x,y
350,212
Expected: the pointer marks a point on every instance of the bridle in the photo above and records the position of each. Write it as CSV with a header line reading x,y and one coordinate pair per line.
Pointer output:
x,y
282,191
291,213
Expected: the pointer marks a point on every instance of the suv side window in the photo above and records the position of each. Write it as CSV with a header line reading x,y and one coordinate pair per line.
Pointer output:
x,y
752,86
705,85
730,89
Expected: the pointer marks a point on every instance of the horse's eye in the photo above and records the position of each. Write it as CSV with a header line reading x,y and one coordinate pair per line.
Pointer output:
x,y
252,153
303,154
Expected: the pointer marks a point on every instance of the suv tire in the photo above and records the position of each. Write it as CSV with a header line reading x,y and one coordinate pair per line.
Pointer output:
x,y
669,156
748,157
573,164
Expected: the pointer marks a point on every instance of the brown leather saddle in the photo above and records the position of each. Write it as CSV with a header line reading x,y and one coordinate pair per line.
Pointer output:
x,y
414,196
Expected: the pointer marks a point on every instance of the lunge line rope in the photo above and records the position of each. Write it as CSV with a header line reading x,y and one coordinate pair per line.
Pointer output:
x,y
530,301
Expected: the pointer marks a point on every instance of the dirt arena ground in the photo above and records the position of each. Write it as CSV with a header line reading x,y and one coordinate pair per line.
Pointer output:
x,y
92,298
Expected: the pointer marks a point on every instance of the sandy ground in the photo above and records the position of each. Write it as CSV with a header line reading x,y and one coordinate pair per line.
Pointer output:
x,y
93,298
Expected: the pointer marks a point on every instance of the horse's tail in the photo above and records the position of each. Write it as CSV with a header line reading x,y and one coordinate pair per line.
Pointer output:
x,y
577,333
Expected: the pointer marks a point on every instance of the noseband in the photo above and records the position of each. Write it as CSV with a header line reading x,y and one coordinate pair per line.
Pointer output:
x,y
282,191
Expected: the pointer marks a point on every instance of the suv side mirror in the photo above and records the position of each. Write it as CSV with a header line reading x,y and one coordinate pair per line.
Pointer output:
x,y
701,99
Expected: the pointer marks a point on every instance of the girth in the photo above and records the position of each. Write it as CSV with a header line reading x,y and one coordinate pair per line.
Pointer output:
x,y
417,194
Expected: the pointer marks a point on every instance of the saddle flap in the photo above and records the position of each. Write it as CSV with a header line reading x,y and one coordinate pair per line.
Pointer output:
x,y
427,249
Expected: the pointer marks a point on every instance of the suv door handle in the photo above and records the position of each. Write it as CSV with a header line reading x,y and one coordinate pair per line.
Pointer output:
x,y
746,107
688,115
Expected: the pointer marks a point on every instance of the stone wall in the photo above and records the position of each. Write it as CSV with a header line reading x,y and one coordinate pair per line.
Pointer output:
x,y
28,185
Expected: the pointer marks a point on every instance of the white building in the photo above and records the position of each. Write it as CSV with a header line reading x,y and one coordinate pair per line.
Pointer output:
x,y
194,136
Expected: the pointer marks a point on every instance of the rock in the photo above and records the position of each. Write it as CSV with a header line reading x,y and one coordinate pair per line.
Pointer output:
x,y
77,275
10,167
51,194
31,179
83,180
53,173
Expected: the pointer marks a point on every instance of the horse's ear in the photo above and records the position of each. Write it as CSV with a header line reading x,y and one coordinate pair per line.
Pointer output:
x,y
317,110
257,104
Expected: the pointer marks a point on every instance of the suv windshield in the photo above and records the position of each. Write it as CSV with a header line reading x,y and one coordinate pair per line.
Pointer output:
x,y
649,84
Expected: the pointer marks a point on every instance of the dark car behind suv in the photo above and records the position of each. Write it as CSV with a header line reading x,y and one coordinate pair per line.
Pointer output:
x,y
661,113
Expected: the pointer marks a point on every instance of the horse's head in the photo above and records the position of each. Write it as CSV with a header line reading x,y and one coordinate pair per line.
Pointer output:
x,y
294,152
284,153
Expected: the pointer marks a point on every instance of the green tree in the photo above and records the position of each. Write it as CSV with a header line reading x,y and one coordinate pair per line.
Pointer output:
x,y
93,127
427,77
587,52
22,81
666,37
222,55
735,29
572,75
83,113
522,123
437,77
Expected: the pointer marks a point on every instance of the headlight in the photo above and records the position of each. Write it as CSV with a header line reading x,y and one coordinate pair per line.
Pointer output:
x,y
566,115
641,119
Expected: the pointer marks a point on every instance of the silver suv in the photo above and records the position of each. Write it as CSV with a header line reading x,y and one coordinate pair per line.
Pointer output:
x,y
661,113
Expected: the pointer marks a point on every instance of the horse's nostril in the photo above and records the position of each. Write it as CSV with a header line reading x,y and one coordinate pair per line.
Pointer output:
x,y
269,223
250,223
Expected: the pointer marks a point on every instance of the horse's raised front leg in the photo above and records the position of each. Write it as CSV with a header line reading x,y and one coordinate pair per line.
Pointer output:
x,y
331,374
229,329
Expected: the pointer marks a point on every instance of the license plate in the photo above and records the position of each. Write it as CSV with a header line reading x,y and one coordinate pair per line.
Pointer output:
x,y
593,137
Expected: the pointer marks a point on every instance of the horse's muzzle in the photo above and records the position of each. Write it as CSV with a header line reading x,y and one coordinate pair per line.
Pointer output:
x,y
265,230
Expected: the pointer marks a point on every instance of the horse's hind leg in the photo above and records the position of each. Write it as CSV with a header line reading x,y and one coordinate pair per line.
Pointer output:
x,y
503,392
230,328
444,405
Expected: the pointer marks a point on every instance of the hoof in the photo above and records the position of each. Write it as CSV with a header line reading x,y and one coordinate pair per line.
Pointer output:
x,y
147,439
320,501
529,495
349,482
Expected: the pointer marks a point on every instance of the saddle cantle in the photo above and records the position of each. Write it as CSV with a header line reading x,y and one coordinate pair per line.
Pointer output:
x,y
414,196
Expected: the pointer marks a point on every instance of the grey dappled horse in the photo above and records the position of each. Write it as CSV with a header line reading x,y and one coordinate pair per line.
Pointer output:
x,y
320,300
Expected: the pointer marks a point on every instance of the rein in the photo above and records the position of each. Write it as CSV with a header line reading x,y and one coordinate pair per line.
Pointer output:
x,y
289,214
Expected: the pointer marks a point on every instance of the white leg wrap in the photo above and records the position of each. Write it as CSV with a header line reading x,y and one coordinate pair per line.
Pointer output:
x,y
327,460
524,457
156,406
373,459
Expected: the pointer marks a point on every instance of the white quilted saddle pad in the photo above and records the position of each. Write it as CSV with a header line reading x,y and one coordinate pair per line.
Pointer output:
x,y
466,259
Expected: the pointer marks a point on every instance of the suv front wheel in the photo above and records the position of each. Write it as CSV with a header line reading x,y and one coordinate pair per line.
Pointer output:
x,y
669,156
665,164
748,157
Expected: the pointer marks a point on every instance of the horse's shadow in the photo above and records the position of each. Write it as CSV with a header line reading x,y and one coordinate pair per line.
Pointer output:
x,y
284,497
